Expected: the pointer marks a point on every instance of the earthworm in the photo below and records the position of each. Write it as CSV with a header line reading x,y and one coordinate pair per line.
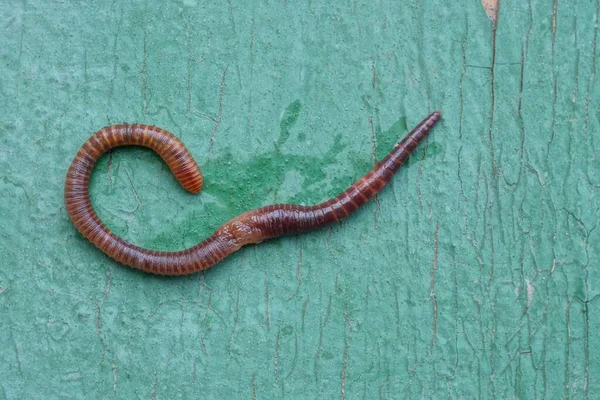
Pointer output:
x,y
251,227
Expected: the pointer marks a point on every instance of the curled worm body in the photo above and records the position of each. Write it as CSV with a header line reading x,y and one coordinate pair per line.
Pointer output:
x,y
251,227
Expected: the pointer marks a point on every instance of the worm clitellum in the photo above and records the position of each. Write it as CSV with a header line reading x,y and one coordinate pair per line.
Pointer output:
x,y
251,227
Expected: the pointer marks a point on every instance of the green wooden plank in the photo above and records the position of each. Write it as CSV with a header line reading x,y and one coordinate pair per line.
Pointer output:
x,y
473,275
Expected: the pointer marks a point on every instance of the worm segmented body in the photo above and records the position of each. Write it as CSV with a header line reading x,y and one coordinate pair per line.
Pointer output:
x,y
251,227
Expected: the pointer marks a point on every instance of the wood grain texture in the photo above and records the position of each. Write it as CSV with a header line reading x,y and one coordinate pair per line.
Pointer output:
x,y
473,275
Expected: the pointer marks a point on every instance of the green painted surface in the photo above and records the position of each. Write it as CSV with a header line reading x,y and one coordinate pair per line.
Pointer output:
x,y
474,275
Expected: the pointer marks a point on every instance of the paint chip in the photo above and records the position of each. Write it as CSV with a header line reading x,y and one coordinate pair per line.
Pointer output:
x,y
530,290
491,9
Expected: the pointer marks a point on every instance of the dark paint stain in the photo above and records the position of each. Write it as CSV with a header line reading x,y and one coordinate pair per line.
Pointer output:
x,y
288,120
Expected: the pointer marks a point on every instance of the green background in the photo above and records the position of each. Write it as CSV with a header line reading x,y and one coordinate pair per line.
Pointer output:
x,y
474,274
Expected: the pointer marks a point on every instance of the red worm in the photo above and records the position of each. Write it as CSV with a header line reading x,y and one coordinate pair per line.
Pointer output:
x,y
251,227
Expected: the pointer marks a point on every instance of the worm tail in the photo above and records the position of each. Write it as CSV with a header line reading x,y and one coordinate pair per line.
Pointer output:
x,y
282,219
373,181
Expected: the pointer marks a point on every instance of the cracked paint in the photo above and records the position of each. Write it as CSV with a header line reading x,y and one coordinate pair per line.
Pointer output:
x,y
473,275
